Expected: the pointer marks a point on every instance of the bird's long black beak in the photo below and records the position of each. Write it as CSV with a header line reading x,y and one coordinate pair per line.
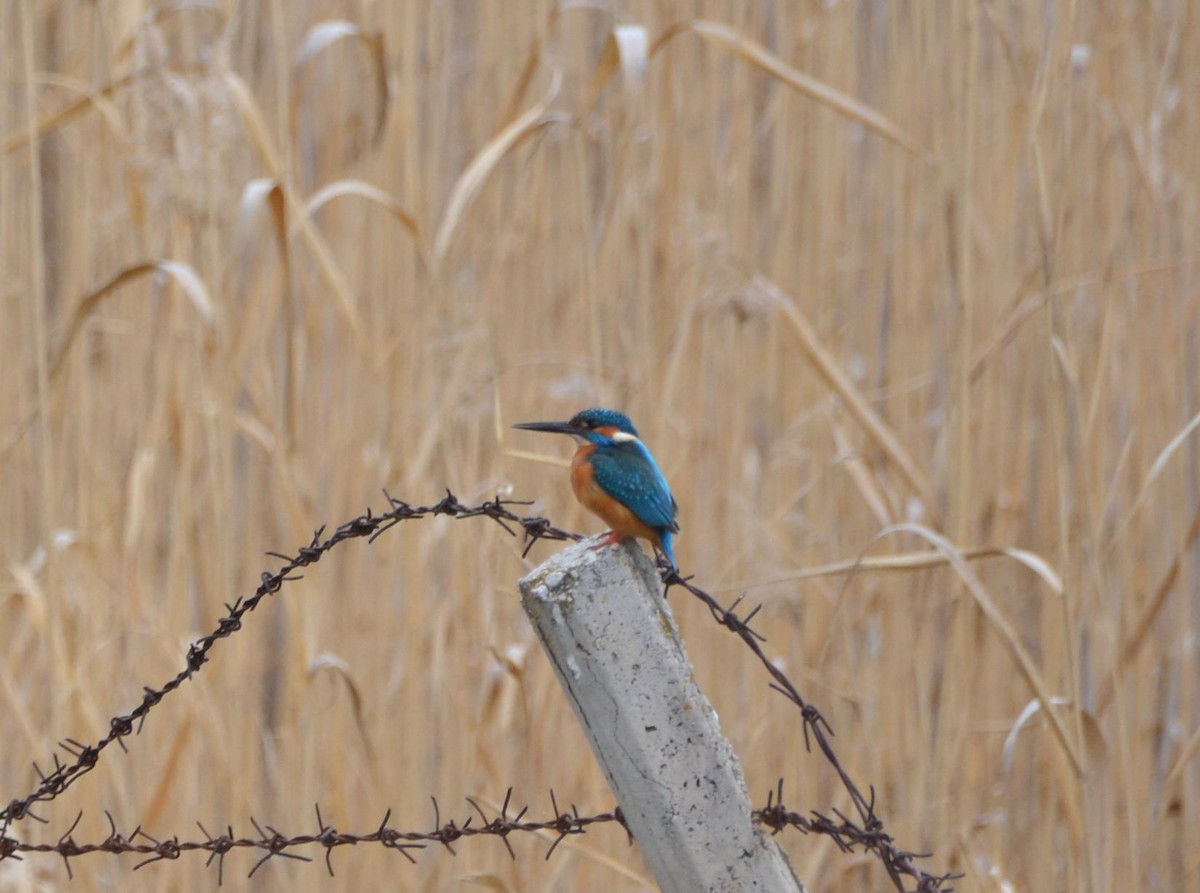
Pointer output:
x,y
551,427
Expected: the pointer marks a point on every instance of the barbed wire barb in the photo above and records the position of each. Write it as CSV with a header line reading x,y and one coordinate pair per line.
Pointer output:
x,y
219,847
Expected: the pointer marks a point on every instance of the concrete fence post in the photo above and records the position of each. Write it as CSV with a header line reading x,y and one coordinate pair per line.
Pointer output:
x,y
614,644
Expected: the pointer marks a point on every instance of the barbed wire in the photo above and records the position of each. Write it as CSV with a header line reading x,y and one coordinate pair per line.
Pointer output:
x,y
867,831
85,756
271,843
274,844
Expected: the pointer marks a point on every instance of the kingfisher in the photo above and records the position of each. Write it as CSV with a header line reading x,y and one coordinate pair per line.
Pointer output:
x,y
615,477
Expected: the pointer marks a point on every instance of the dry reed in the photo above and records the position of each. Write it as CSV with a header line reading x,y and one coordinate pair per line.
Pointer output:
x,y
869,277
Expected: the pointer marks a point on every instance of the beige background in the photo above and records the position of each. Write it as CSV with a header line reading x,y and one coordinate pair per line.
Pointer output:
x,y
969,302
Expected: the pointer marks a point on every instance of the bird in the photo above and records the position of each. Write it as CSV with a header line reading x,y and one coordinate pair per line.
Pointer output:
x,y
614,476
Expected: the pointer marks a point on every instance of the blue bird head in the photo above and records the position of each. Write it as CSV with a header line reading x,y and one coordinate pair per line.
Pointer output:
x,y
599,426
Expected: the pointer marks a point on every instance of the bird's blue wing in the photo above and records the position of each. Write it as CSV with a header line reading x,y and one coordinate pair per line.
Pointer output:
x,y
628,473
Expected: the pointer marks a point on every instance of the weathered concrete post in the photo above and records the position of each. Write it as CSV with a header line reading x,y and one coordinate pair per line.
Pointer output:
x,y
615,646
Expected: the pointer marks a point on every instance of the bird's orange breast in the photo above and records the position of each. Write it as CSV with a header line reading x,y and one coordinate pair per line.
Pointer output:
x,y
596,500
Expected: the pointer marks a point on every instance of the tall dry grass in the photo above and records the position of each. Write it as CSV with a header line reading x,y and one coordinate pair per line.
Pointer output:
x,y
849,266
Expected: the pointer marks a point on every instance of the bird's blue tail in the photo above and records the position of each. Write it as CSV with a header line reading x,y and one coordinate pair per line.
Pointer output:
x,y
664,540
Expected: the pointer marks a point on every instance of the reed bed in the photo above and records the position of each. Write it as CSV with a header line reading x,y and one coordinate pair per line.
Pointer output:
x,y
903,296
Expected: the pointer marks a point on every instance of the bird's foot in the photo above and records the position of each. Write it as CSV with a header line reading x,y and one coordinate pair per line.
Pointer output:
x,y
610,538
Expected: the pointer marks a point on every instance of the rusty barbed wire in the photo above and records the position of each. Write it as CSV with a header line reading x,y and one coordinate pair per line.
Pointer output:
x,y
84,756
271,843
867,831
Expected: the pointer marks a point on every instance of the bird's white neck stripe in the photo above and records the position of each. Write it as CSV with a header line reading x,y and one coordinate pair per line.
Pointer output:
x,y
624,437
